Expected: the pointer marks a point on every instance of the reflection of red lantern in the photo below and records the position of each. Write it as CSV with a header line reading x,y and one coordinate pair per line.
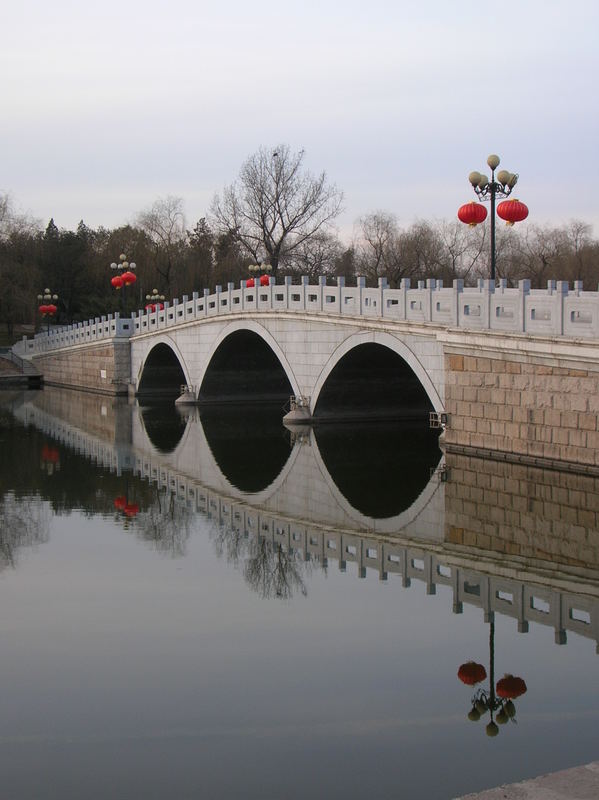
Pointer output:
x,y
249,284
131,509
472,213
471,673
128,278
512,211
120,503
264,280
510,687
50,454
117,282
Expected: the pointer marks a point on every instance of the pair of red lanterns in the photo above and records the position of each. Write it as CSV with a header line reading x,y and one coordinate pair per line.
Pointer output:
x,y
509,687
126,279
48,310
128,509
511,211
264,281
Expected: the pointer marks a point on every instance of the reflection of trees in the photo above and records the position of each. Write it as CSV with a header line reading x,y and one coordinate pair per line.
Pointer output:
x,y
23,523
269,569
165,523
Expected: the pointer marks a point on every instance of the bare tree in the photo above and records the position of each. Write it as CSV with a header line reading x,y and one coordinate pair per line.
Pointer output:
x,y
376,246
164,224
276,207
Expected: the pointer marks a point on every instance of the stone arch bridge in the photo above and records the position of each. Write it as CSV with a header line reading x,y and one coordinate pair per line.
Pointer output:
x,y
513,372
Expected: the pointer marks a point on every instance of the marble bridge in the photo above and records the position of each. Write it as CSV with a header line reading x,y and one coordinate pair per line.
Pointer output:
x,y
439,539
508,372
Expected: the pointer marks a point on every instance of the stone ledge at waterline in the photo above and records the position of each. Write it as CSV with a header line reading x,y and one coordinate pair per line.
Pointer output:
x,y
578,783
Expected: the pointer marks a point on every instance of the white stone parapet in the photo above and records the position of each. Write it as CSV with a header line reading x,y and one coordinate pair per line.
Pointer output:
x,y
557,310
94,330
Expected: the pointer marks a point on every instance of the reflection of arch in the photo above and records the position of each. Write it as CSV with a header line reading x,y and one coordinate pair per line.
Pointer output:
x,y
168,342
388,341
254,327
389,525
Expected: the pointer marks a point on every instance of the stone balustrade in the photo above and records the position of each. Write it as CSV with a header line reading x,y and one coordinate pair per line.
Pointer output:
x,y
557,311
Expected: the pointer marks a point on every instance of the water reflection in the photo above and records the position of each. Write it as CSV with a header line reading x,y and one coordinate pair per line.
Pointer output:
x,y
163,425
380,468
24,522
250,445
270,569
498,699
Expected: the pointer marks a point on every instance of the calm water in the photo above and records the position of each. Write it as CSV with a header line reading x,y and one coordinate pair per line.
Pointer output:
x,y
210,606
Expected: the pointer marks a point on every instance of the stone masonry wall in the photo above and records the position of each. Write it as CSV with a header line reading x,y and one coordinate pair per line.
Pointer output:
x,y
104,367
523,408
523,511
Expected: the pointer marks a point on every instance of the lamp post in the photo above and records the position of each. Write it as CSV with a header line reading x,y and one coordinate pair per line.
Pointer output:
x,y
254,269
48,307
125,275
154,301
500,185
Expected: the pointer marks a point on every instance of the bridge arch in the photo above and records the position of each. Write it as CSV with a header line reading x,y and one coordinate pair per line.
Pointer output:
x,y
390,342
165,343
265,335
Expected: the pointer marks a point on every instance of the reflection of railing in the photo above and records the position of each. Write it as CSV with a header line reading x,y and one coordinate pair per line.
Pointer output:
x,y
541,599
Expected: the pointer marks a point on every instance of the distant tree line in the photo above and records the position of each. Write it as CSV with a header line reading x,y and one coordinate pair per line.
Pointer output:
x,y
276,213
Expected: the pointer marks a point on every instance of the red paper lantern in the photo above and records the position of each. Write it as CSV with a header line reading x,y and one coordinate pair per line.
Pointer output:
x,y
471,673
43,310
510,687
51,309
131,509
116,282
264,280
128,278
150,307
120,502
50,454
249,284
512,211
472,213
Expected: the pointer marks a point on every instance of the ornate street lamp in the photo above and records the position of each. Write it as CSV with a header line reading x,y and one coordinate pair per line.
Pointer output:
x,y
255,268
125,275
48,307
154,301
499,186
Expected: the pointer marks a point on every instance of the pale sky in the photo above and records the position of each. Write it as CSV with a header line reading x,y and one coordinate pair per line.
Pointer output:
x,y
108,106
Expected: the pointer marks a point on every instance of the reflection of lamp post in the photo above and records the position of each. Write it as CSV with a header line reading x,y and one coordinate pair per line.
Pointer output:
x,y
155,301
511,211
255,268
499,699
48,306
124,277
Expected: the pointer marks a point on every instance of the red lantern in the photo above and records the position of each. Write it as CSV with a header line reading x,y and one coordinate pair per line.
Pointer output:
x,y
50,454
471,673
159,306
128,278
510,687
116,282
51,309
512,211
43,310
120,502
472,213
150,307
249,284
131,509
264,280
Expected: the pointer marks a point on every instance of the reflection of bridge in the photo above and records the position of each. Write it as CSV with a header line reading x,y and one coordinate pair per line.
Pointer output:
x,y
419,544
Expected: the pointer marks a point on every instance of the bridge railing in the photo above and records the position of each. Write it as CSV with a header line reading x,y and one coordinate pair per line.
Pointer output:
x,y
111,326
558,310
